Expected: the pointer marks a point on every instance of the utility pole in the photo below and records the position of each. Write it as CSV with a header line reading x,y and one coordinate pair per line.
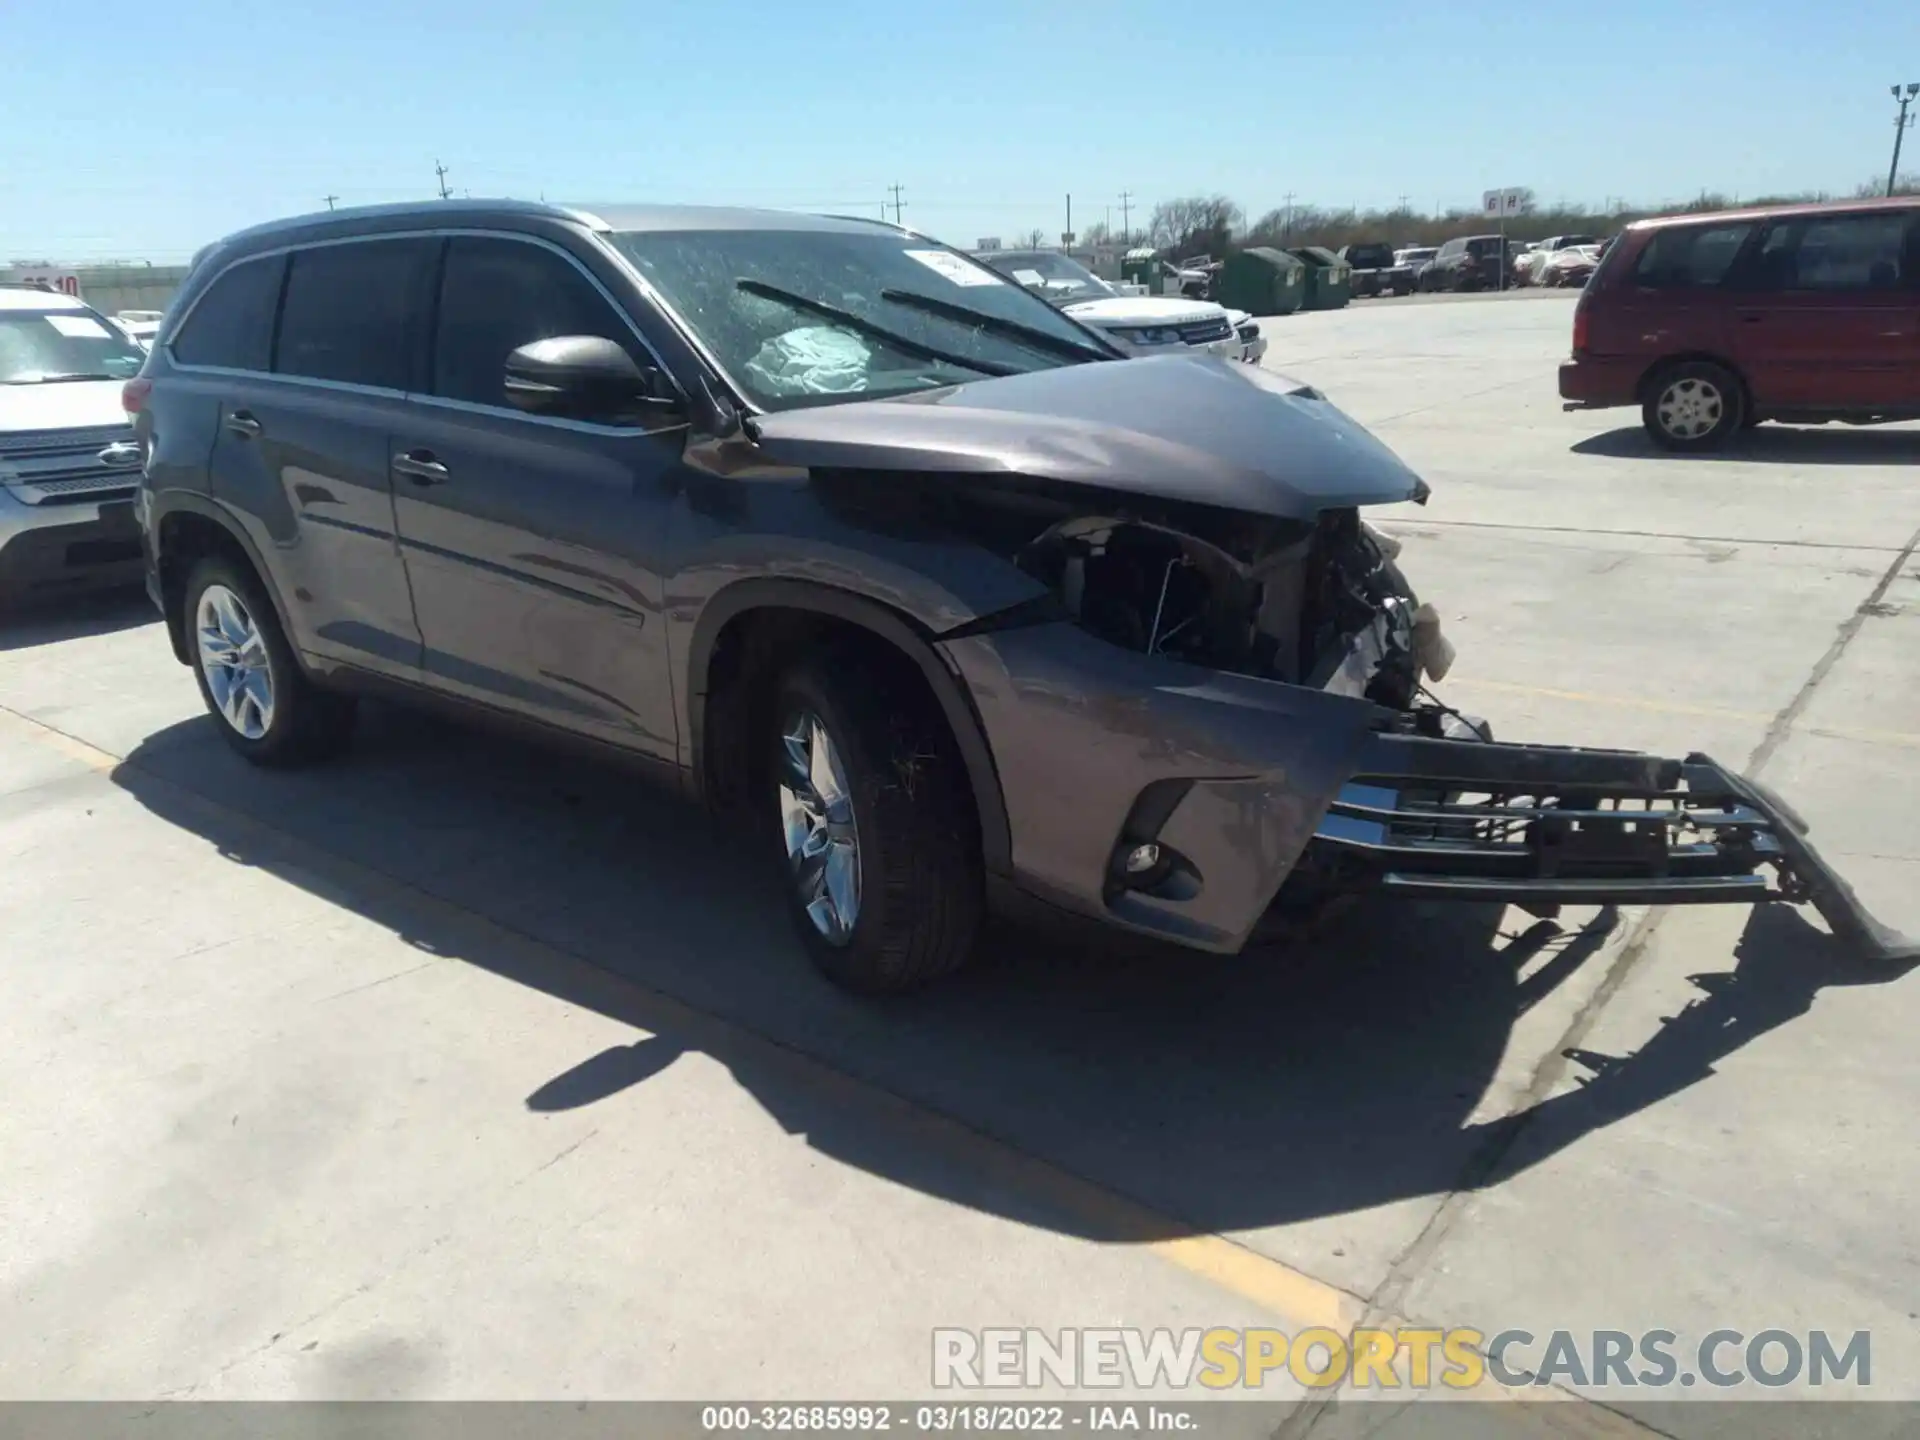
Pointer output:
x,y
1126,216
1403,205
896,189
1287,233
441,171
1900,131
1064,241
330,199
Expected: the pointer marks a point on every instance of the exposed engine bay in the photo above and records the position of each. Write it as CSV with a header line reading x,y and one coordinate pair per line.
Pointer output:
x,y
1326,607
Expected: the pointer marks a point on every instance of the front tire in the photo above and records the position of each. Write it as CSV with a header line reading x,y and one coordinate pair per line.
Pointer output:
x,y
262,703
879,844
1694,407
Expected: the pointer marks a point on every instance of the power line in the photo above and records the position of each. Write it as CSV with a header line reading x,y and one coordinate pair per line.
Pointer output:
x,y
896,189
440,171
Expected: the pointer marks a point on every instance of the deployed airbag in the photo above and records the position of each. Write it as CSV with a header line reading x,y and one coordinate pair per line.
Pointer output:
x,y
812,360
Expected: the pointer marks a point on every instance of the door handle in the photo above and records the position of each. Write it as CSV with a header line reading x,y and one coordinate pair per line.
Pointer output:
x,y
243,424
420,466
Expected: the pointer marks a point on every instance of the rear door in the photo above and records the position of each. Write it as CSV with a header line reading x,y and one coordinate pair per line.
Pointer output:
x,y
1829,317
1675,299
301,456
536,545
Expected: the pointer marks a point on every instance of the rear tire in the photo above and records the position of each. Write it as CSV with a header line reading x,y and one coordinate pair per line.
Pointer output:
x,y
262,703
880,847
1693,407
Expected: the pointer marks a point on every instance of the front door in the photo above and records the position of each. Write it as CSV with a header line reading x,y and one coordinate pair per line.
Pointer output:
x,y
1830,317
535,546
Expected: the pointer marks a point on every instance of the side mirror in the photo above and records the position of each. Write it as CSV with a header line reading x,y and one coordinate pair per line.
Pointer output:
x,y
588,377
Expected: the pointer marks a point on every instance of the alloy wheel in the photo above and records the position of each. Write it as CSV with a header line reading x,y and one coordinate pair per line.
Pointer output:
x,y
817,824
1690,407
233,658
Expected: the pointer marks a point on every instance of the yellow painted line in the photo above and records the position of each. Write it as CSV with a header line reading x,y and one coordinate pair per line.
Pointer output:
x,y
1670,707
1296,1299
70,746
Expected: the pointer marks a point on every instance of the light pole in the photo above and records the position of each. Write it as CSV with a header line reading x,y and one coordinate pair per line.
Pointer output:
x,y
1900,130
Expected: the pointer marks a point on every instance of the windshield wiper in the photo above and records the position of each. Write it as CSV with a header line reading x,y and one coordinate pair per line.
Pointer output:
x,y
866,327
1011,329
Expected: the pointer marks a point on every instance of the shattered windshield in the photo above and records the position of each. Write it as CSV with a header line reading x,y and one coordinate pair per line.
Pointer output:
x,y
40,347
810,317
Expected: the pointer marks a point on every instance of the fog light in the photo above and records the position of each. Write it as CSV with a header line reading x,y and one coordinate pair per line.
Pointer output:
x,y
1142,858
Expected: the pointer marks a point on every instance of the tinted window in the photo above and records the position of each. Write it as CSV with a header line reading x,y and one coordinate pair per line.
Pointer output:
x,y
1484,245
1369,257
497,295
1450,247
1839,252
349,312
232,325
1690,257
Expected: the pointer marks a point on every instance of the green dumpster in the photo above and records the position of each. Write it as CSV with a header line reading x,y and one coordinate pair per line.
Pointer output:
x,y
1142,267
1262,282
1329,278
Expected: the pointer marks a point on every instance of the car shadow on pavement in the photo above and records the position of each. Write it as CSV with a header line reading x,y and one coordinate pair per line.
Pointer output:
x,y
1772,445
75,617
1204,1093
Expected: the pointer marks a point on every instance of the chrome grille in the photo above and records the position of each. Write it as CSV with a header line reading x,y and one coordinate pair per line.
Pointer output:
x,y
64,466
1205,332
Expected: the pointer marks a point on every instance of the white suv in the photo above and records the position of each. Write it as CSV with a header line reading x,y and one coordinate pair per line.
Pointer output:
x,y
1138,323
68,460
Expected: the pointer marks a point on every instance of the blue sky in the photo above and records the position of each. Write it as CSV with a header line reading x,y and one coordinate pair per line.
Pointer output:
x,y
145,131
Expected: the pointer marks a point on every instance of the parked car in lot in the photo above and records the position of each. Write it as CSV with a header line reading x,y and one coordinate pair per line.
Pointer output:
x,y
1711,323
1376,271
68,460
1519,268
1570,268
140,325
1539,257
1140,323
1470,262
827,524
1416,258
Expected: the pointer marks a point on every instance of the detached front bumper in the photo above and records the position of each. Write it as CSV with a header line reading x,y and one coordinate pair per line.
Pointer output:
x,y
1237,784
1543,826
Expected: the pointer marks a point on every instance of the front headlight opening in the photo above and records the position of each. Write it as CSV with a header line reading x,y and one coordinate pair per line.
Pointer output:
x,y
1154,336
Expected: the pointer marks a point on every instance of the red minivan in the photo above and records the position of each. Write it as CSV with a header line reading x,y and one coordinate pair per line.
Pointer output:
x,y
1711,323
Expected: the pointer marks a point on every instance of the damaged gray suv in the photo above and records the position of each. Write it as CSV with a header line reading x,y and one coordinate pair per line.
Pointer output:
x,y
833,527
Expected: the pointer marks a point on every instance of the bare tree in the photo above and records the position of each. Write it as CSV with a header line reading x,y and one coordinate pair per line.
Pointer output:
x,y
1196,225
1098,233
1032,239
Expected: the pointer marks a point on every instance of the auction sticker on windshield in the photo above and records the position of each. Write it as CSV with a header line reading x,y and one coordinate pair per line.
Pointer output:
x,y
955,269
78,327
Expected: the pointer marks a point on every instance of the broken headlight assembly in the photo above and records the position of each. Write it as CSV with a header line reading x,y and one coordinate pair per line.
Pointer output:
x,y
1319,604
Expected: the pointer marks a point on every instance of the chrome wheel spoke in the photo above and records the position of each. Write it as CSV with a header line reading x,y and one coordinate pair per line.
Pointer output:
x,y
234,662
817,827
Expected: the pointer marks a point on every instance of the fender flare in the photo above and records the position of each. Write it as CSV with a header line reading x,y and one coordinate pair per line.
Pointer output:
x,y
191,502
983,777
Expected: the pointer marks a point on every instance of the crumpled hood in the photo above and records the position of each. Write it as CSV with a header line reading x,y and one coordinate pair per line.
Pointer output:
x,y
66,404
1142,310
1186,427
